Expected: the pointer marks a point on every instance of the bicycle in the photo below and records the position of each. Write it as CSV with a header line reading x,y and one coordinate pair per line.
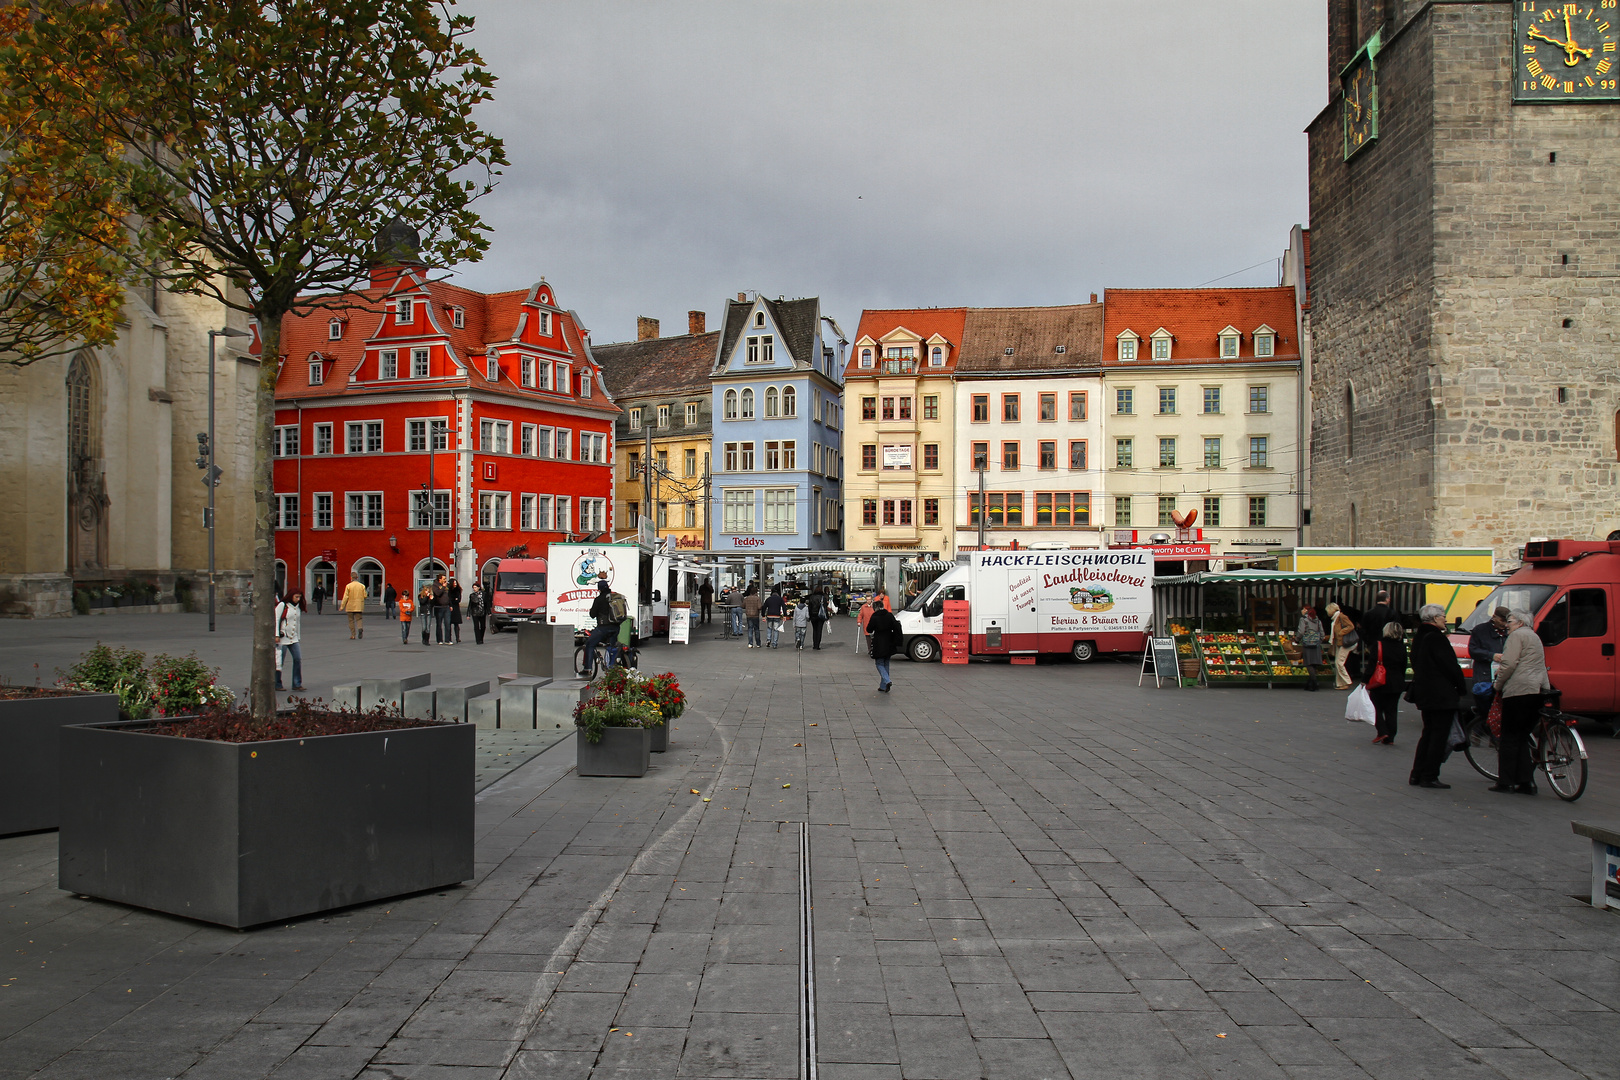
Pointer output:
x,y
589,662
1556,749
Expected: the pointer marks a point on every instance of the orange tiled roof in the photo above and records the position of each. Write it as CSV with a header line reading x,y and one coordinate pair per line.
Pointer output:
x,y
924,322
1196,317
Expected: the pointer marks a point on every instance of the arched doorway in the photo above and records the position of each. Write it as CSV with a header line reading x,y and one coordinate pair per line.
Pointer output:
x,y
371,576
322,575
487,575
281,578
425,572
87,478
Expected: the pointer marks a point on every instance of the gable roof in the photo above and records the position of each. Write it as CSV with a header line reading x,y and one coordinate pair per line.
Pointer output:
x,y
1197,316
669,365
924,322
1034,334
795,319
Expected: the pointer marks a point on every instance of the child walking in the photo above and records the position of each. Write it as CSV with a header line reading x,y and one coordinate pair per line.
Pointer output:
x,y
801,622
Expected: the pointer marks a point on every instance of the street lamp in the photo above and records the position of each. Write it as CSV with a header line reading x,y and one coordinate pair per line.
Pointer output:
x,y
212,474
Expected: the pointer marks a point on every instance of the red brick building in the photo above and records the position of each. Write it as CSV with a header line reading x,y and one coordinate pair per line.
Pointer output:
x,y
496,396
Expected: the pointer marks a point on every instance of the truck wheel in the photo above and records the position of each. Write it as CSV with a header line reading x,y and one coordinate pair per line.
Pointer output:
x,y
923,650
1084,651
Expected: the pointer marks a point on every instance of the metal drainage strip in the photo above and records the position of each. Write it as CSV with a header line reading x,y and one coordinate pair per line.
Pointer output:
x,y
807,963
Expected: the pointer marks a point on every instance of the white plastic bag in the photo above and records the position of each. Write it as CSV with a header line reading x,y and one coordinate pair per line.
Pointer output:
x,y
1360,706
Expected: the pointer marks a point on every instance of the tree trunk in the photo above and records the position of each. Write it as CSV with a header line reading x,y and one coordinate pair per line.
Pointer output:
x,y
262,672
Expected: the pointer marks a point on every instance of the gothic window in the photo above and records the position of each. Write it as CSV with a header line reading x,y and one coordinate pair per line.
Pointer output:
x,y
1349,422
82,434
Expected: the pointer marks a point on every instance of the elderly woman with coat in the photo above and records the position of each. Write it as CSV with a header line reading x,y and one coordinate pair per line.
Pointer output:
x,y
1308,636
1390,651
1522,682
1437,686
1340,627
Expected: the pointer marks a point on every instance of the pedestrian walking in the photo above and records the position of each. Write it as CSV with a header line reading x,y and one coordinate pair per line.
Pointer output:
x,y
734,604
441,612
1521,680
751,607
1437,686
705,599
424,608
1308,636
455,607
883,632
354,603
319,596
1341,636
816,612
775,612
289,625
801,622
1389,653
407,608
390,598
478,610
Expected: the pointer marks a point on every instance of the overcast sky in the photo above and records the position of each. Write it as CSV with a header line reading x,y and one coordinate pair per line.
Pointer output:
x,y
667,155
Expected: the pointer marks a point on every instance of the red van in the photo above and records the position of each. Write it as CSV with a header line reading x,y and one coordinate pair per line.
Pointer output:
x,y
1571,587
519,593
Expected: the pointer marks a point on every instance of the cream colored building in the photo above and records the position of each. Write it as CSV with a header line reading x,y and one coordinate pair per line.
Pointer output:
x,y
98,479
1202,415
900,487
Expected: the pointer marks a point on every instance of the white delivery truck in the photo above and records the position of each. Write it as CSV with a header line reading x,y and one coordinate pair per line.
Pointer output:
x,y
1025,602
572,571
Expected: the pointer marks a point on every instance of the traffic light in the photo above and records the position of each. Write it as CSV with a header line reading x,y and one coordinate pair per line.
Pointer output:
x,y
202,449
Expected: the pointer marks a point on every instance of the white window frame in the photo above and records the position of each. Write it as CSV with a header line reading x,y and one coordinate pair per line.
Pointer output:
x,y
334,330
1129,346
545,324
527,437
317,372
691,414
635,418
785,500
1265,399
564,521
495,511
542,513
368,500
365,428
526,371
439,499
584,384
323,438
790,402
321,519
1162,342
866,358
663,417
542,374
545,442
1265,341
388,364
286,511
689,515
458,317
285,443
734,502
1231,344
492,367
592,515
421,363
729,405
526,501
404,312
562,446
745,404
564,380
773,405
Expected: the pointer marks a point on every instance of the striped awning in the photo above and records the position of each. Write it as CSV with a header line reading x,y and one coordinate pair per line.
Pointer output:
x,y
927,566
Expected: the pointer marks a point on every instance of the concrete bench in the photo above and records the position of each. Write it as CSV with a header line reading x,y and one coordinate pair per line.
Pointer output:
x,y
346,696
450,701
484,711
1605,861
389,693
517,701
419,704
554,703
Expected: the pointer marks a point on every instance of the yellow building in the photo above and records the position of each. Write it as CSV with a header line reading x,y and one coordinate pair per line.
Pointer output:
x,y
662,386
899,431
1459,600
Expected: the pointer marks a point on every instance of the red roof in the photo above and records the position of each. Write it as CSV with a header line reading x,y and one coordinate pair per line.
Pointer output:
x,y
948,323
1196,318
488,319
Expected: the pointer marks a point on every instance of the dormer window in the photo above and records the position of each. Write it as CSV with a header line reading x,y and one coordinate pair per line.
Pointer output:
x,y
584,384
1265,341
1161,343
492,366
402,311
334,330
936,357
1062,348
317,372
759,318
563,381
545,324
458,317
1231,343
866,358
635,419
1007,351
1128,341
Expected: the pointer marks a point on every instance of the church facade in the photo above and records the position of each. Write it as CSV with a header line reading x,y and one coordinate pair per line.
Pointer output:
x,y
1464,273
103,502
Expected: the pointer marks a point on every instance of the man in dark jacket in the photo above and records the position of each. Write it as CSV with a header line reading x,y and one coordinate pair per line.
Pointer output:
x,y
818,615
1370,630
1437,685
1486,641
884,630
441,611
705,600
607,624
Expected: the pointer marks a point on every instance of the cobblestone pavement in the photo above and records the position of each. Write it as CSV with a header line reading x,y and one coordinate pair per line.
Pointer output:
x,y
1015,872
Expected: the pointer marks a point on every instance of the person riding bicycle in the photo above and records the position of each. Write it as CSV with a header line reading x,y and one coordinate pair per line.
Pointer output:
x,y
602,610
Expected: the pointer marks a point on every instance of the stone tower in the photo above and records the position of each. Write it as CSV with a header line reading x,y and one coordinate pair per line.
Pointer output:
x,y
1464,271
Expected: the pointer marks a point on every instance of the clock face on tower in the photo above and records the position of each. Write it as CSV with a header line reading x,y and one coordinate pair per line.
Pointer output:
x,y
1566,51
1359,81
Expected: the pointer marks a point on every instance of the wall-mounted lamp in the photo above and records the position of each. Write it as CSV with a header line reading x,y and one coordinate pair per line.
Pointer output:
x,y
393,542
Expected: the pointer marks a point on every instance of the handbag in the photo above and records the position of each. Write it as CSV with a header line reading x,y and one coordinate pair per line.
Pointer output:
x,y
1493,718
1350,640
1379,675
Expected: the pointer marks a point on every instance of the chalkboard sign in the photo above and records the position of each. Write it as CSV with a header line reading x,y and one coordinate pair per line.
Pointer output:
x,y
1159,657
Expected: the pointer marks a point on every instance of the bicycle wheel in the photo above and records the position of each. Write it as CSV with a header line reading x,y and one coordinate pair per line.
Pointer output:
x,y
1481,749
1559,756
582,662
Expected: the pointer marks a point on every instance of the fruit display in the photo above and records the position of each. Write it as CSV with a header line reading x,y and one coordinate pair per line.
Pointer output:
x,y
1242,658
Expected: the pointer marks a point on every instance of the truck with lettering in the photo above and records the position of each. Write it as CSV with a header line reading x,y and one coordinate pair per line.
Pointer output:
x,y
575,569
1022,603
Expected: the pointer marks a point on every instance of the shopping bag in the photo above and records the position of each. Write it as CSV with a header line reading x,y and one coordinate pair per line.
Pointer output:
x,y
1494,717
1458,739
1376,679
1359,706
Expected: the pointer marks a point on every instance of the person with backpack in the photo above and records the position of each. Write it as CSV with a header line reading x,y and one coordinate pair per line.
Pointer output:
x,y
816,611
775,611
603,611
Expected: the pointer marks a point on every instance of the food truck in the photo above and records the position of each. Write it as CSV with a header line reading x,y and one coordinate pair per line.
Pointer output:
x,y
1023,603
1570,588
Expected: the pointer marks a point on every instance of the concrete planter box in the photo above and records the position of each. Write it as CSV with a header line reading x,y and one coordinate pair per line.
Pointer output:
x,y
247,833
623,751
28,748
659,741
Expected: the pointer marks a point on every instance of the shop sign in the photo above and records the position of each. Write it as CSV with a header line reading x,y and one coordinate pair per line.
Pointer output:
x,y
329,554
897,457
747,541
1180,551
689,542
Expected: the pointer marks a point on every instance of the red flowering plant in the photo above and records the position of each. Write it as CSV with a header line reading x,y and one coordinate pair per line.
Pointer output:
x,y
666,691
621,699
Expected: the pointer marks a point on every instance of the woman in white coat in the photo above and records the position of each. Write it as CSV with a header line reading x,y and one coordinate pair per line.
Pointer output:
x,y
289,624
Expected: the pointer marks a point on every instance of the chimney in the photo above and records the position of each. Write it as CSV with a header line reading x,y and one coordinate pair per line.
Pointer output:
x,y
646,329
695,321
742,298
1093,298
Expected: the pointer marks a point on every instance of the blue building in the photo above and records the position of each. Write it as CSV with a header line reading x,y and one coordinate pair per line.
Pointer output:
x,y
777,388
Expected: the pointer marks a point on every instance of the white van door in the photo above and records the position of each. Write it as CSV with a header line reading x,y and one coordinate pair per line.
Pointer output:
x,y
1022,625
988,610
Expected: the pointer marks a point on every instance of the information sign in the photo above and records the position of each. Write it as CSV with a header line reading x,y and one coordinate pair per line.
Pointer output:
x,y
680,624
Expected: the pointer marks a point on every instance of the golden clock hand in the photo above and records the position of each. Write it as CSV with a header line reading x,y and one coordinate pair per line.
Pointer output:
x,y
1570,48
1535,33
